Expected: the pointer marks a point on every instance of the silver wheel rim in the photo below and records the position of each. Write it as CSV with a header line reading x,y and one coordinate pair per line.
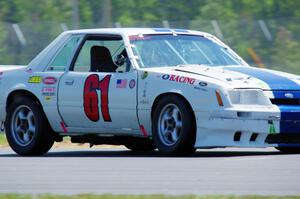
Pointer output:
x,y
169,124
23,125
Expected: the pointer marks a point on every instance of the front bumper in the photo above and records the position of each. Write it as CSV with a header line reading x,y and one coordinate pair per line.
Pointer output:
x,y
237,127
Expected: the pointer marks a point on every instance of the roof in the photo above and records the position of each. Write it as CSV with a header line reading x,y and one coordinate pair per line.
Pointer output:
x,y
134,31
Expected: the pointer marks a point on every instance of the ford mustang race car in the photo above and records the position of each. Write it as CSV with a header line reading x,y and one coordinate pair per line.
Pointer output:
x,y
171,89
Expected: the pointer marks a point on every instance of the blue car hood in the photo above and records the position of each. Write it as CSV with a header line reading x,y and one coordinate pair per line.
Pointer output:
x,y
277,81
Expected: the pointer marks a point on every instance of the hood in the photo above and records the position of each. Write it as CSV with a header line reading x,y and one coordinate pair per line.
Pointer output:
x,y
243,76
276,81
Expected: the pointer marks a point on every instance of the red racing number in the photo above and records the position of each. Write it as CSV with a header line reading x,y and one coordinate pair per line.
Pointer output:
x,y
91,100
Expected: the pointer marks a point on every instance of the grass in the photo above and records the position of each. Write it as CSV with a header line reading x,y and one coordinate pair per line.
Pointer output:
x,y
3,141
88,196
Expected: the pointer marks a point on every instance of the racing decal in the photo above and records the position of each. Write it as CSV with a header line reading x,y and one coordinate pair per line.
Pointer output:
x,y
35,79
121,83
144,101
180,30
91,103
202,84
162,30
29,70
48,91
49,80
272,129
63,126
170,30
48,98
143,130
132,83
200,88
144,75
145,90
165,77
138,37
180,79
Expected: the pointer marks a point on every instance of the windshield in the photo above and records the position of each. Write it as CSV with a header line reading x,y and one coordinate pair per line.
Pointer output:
x,y
174,50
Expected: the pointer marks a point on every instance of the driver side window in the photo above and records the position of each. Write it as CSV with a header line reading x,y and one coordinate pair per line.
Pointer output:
x,y
102,54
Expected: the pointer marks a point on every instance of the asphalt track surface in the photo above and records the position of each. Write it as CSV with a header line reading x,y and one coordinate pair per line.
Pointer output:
x,y
119,171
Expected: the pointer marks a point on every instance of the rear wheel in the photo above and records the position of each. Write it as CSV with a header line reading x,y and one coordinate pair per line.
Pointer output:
x,y
289,149
174,128
27,129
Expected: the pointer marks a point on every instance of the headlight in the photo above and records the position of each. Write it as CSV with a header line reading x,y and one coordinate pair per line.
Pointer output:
x,y
248,97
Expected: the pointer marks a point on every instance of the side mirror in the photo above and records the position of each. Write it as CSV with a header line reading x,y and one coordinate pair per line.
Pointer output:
x,y
120,60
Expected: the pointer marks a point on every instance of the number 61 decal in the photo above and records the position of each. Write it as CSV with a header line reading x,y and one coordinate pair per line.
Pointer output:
x,y
91,99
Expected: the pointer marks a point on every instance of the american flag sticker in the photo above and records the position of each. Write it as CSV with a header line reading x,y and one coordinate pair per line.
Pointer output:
x,y
121,83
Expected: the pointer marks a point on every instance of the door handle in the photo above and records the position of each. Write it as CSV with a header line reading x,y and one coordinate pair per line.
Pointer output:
x,y
69,82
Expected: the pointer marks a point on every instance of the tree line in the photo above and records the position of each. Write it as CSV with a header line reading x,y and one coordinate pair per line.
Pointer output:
x,y
40,21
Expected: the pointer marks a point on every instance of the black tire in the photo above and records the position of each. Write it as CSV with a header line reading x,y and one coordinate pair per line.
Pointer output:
x,y
145,145
291,150
41,137
186,134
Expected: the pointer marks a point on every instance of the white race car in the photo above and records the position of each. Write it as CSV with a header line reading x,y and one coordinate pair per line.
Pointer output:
x,y
171,89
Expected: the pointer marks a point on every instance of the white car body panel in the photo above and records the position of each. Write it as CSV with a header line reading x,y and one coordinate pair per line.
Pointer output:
x,y
122,103
130,108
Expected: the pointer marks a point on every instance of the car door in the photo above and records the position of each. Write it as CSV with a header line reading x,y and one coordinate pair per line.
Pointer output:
x,y
96,95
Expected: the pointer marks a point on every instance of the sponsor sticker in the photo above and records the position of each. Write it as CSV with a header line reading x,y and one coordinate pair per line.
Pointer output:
x,y
48,98
132,83
165,77
272,129
138,37
145,89
29,70
200,88
48,91
178,78
121,83
145,75
49,80
144,101
35,79
202,84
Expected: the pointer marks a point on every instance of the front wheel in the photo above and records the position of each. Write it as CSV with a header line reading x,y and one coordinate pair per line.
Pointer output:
x,y
27,130
174,126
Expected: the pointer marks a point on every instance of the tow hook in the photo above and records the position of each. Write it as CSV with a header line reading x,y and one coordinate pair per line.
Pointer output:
x,y
2,127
